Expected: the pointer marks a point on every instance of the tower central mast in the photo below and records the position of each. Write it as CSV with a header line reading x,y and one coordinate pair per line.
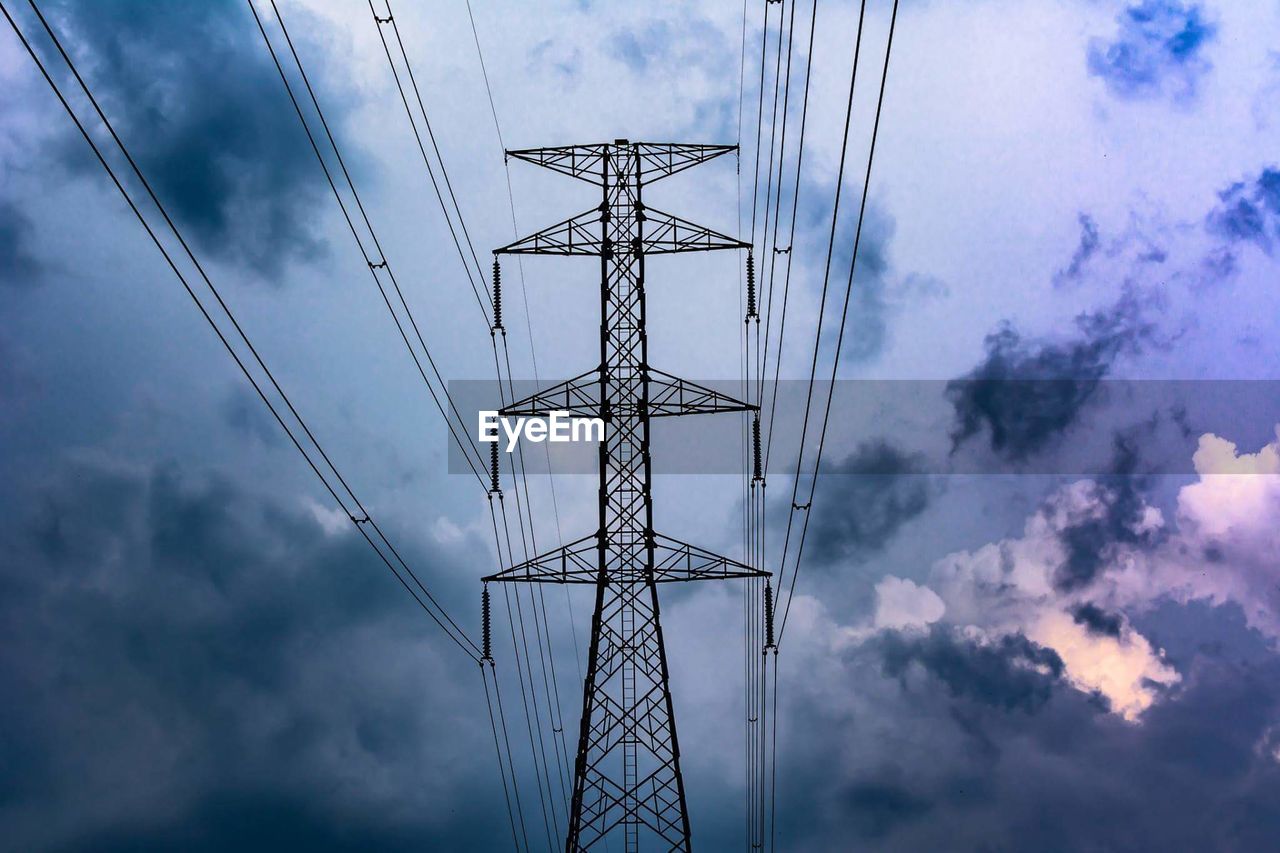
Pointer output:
x,y
627,779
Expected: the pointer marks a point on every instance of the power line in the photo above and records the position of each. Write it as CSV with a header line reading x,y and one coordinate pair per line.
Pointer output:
x,y
540,771
769,749
795,207
773,248
373,235
529,689
468,447
475,288
744,374
853,263
337,152
754,497
426,601
531,696
826,281
502,768
755,191
773,768
510,758
533,356
794,506
769,199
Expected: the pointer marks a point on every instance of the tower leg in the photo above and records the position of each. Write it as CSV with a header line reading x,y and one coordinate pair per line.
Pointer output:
x,y
628,777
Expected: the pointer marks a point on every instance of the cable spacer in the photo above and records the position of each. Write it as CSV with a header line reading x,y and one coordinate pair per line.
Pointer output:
x,y
381,265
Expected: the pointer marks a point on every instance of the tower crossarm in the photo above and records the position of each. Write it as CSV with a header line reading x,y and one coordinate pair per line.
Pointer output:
x,y
579,396
660,159
666,234
673,562
655,159
577,235
668,396
575,562
578,161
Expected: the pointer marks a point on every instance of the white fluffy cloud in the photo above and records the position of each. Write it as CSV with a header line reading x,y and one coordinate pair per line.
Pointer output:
x,y
1226,548
1008,587
1223,548
1124,669
901,603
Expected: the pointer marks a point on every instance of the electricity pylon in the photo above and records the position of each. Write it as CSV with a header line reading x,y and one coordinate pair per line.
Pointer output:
x,y
627,778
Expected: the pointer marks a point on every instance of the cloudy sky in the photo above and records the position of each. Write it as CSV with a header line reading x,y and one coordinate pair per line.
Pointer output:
x,y
1031,615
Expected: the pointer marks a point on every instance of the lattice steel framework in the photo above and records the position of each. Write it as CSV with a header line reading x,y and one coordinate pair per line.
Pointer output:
x,y
627,782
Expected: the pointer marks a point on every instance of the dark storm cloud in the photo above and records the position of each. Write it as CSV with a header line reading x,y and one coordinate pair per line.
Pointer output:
x,y
1249,211
18,267
1097,620
928,762
193,93
1026,393
243,411
1088,247
878,806
13,382
875,295
1118,498
866,499
867,326
249,822
187,666
1158,48
1011,673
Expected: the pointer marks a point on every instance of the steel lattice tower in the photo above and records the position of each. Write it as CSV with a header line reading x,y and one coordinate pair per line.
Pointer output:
x,y
627,782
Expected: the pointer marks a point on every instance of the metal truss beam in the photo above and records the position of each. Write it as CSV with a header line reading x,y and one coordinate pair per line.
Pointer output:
x,y
665,234
674,562
577,235
655,160
668,396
